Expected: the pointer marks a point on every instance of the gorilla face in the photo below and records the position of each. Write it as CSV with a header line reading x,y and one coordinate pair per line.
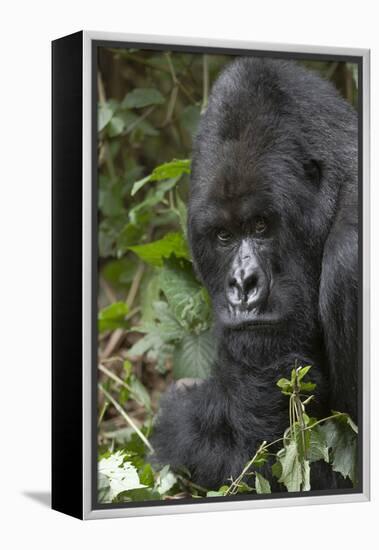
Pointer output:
x,y
257,231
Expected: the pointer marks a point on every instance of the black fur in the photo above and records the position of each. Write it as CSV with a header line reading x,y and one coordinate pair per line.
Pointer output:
x,y
277,142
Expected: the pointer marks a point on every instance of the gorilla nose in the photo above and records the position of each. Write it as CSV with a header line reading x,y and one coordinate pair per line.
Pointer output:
x,y
247,287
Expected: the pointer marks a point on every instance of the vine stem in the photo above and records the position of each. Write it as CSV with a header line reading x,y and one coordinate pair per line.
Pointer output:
x,y
126,417
234,485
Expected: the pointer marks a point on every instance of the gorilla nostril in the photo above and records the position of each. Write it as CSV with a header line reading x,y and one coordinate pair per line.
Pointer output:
x,y
247,288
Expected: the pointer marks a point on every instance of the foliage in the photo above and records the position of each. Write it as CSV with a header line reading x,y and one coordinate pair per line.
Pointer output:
x,y
306,440
154,318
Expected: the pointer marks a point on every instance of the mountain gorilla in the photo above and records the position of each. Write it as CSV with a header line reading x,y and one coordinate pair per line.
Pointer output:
x,y
273,229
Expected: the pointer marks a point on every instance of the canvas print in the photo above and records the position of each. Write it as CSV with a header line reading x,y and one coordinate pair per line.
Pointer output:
x,y
227,276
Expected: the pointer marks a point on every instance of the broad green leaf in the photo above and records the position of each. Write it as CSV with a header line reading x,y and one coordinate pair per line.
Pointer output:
x,y
188,300
139,184
307,386
133,121
166,480
342,439
142,97
139,392
105,114
285,385
130,235
150,293
318,449
302,372
172,169
146,475
220,493
113,316
169,170
194,356
190,117
154,253
295,473
262,486
260,459
115,126
154,197
122,475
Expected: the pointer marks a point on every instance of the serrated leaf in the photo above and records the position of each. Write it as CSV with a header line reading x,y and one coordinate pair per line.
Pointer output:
x,y
122,475
342,439
142,97
262,486
155,252
295,473
187,299
194,356
318,449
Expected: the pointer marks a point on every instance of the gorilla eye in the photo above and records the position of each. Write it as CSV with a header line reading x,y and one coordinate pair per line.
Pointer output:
x,y
260,226
224,237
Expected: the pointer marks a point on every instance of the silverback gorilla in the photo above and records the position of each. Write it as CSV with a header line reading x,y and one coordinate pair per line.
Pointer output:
x,y
273,230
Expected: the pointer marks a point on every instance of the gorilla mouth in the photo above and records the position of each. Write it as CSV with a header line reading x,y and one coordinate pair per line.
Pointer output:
x,y
255,324
245,320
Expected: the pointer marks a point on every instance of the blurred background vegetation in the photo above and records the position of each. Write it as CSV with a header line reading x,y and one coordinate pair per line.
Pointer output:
x,y
154,317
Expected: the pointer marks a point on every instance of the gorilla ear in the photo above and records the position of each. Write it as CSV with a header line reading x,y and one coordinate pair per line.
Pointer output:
x,y
338,305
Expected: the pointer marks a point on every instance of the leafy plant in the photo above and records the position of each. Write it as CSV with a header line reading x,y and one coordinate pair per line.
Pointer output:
x,y
306,440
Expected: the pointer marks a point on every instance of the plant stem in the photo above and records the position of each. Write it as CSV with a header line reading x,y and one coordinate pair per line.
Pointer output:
x,y
233,487
126,417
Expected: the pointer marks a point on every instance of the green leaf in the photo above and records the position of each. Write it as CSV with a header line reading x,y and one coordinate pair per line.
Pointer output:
x,y
139,392
169,170
139,184
262,486
122,476
105,114
166,480
172,169
150,293
302,372
142,97
188,300
342,439
307,386
295,473
155,196
190,117
285,385
130,235
115,127
154,253
318,449
146,475
113,316
194,356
